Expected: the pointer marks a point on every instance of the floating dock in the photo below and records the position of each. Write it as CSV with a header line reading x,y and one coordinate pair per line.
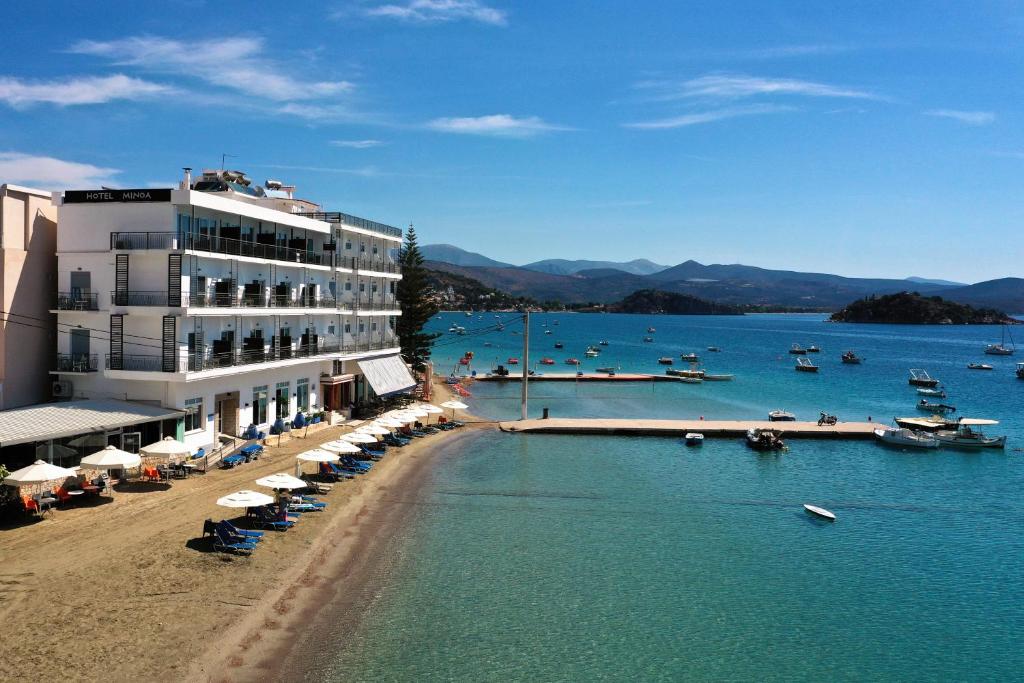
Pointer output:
x,y
514,376
709,428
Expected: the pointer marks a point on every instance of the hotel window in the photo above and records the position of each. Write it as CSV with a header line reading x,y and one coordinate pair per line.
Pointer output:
x,y
348,286
373,327
330,329
348,245
362,328
348,328
193,414
375,251
302,393
362,247
259,404
282,399
362,287
373,287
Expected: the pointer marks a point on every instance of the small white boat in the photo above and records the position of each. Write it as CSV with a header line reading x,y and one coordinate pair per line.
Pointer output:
x,y
937,393
718,378
694,439
920,378
1001,349
819,512
781,416
979,366
906,437
804,364
966,437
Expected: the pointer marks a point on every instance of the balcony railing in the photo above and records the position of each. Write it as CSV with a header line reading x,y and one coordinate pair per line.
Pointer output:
x,y
77,301
208,360
378,265
221,300
137,298
77,362
354,221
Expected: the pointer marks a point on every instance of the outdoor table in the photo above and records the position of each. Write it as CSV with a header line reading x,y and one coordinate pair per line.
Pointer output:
x,y
190,467
76,492
89,488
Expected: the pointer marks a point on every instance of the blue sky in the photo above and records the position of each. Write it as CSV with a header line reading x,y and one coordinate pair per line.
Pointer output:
x,y
866,139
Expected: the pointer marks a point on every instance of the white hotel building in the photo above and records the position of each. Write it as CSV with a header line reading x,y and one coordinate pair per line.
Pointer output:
x,y
235,303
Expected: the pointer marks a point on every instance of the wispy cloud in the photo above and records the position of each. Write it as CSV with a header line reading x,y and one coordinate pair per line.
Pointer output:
x,y
51,173
234,63
436,11
772,52
499,125
971,118
357,144
365,172
738,86
710,116
76,91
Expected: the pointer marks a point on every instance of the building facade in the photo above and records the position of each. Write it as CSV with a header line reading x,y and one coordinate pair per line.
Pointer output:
x,y
237,304
28,267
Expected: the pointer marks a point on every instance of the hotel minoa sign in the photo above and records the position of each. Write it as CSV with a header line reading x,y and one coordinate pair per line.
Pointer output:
x,y
109,196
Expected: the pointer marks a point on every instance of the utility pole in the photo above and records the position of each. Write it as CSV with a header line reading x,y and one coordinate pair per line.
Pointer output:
x,y
526,356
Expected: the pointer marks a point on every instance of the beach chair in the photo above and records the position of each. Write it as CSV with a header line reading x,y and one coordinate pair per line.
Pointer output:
x,y
333,473
240,534
228,544
352,465
62,495
373,452
267,520
30,505
313,501
299,508
393,440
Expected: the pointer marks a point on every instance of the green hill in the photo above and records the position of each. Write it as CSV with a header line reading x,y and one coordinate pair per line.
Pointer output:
x,y
911,308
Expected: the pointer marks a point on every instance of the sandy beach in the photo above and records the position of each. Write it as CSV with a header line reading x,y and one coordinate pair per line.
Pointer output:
x,y
126,588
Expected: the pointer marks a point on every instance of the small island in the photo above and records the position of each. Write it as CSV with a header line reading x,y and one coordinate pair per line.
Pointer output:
x,y
911,308
653,301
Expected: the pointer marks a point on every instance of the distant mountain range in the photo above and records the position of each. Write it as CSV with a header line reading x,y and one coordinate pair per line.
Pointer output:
x,y
734,284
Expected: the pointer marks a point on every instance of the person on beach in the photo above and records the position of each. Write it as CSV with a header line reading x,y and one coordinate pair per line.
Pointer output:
x,y
284,499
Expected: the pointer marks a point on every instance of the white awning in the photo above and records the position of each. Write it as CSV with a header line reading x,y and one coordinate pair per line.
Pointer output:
x,y
58,420
387,375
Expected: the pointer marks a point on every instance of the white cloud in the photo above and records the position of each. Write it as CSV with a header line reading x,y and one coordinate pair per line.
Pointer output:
x,y
52,173
696,118
75,91
433,11
233,63
319,113
500,125
732,87
971,118
357,144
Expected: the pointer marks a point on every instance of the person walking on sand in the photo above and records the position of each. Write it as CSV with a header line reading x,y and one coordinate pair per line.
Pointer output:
x,y
283,500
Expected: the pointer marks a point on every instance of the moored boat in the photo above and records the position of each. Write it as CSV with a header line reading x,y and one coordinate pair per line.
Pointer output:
x,y
926,424
664,360
547,361
559,345
714,349
694,439
609,370
572,361
548,332
966,435
651,330
512,361
764,440
689,357
603,342
935,408
906,437
813,349
850,358
1020,370
819,512
699,374
1001,349
804,364
920,378
648,340
797,349
591,353
938,393
718,378
979,366
781,416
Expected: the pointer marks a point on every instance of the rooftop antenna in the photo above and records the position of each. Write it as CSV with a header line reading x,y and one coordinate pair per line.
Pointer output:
x,y
223,158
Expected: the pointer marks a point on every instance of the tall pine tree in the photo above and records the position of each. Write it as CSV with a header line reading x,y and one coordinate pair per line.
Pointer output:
x,y
418,307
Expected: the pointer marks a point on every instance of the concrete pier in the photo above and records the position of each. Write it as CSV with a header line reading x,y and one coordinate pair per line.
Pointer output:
x,y
709,428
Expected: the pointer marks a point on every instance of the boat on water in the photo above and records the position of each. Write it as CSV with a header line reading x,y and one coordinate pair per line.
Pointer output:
x,y
935,408
547,361
699,374
603,342
1001,349
694,439
937,393
488,344
512,361
781,416
804,364
547,332
967,435
932,423
469,314
691,380
664,360
813,349
764,440
979,366
608,370
689,357
906,437
1020,370
648,340
850,358
559,345
797,350
714,349
651,330
591,354
572,361
708,377
819,512
920,378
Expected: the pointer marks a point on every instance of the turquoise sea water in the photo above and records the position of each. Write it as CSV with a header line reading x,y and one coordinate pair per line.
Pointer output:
x,y
561,558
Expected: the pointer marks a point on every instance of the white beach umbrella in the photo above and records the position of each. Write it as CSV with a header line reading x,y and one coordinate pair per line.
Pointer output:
x,y
37,473
430,408
418,412
356,437
404,418
111,458
374,430
168,447
320,455
340,446
454,405
388,422
245,499
281,480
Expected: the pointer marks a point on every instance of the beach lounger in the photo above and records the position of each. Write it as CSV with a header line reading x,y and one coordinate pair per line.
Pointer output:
x,y
310,500
245,534
228,544
231,461
268,520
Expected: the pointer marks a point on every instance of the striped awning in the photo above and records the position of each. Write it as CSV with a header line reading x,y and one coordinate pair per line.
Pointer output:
x,y
387,375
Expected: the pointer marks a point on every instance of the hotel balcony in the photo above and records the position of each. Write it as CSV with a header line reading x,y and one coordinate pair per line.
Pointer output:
x,y
76,301
141,298
77,363
249,300
344,219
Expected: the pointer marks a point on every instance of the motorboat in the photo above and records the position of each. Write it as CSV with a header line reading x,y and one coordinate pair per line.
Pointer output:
x,y
813,349
548,332
603,342
935,408
979,366
691,380
651,330
764,440
819,512
966,435
920,378
781,416
609,370
572,361
714,349
559,345
547,361
648,340
1001,349
937,393
805,365
906,437
926,424
665,360
488,344
689,357
699,374
694,439
797,350
708,377
593,350
1020,370
512,361
850,358
592,353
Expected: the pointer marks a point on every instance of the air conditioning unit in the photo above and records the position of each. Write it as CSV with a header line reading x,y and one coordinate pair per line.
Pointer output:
x,y
62,389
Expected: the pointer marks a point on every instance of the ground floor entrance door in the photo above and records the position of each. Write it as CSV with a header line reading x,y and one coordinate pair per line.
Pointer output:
x,y
225,414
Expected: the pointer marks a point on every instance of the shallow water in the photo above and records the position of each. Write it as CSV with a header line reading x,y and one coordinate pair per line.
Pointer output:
x,y
587,558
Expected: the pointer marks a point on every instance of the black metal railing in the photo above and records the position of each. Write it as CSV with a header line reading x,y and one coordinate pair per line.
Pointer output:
x,y
77,301
144,240
354,221
77,362
215,300
377,265
137,298
274,252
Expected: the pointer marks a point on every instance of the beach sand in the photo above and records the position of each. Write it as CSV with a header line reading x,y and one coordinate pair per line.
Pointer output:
x,y
127,589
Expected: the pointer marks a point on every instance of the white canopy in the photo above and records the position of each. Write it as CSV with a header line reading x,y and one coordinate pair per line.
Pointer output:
x,y
36,473
454,405
245,499
418,412
281,480
373,430
356,437
404,418
111,458
429,407
387,375
388,422
319,455
340,446
977,422
167,447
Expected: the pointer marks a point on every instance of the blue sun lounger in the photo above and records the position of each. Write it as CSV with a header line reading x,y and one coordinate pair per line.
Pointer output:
x,y
244,534
230,544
